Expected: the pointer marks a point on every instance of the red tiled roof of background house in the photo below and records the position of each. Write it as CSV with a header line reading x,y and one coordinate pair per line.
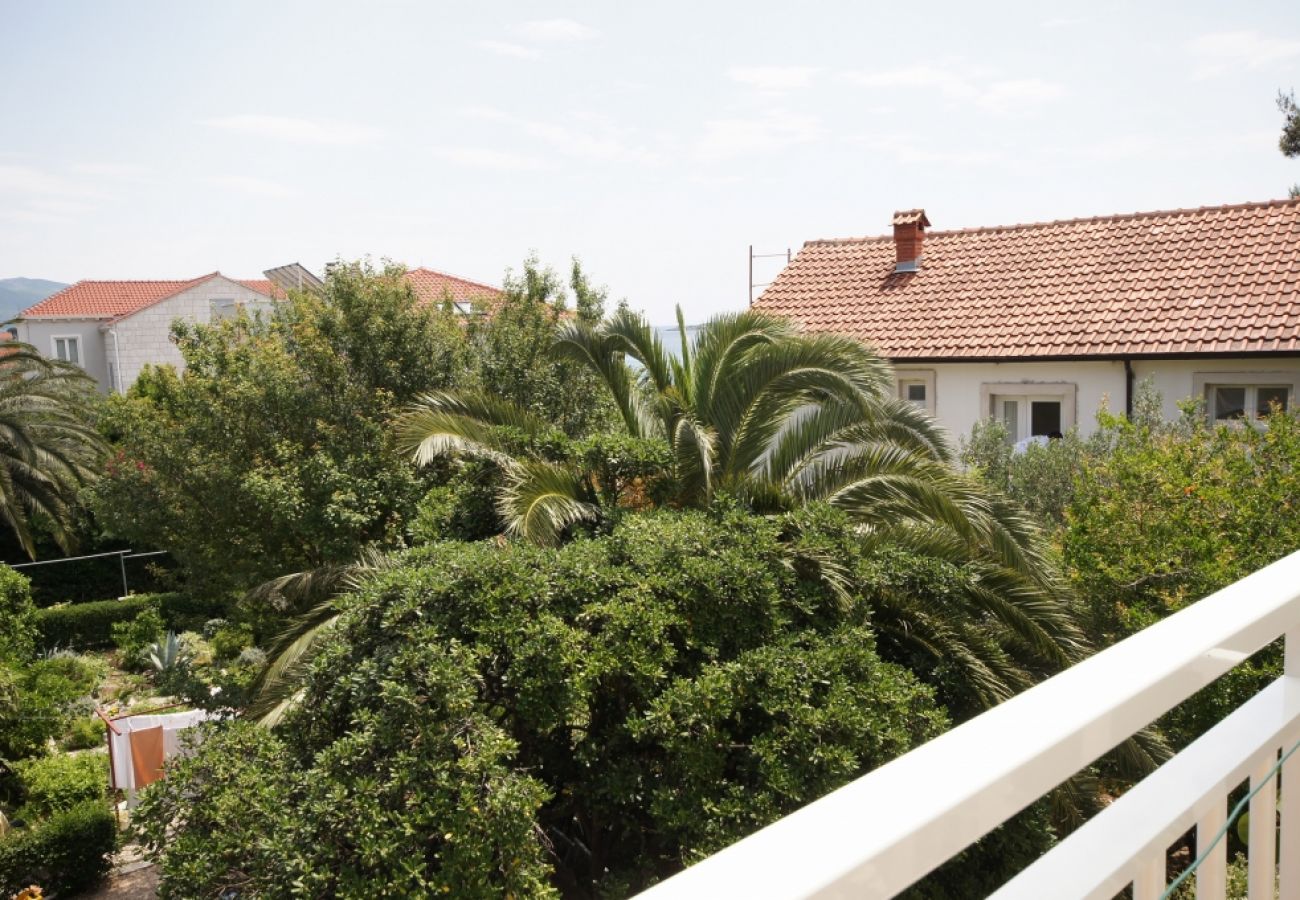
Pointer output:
x,y
262,286
112,299
1222,279
434,287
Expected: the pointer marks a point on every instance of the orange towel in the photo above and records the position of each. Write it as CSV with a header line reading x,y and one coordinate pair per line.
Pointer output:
x,y
147,755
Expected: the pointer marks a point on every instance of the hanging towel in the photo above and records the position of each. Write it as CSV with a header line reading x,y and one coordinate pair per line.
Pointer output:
x,y
147,755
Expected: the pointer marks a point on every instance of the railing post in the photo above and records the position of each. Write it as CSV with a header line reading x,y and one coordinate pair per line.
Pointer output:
x,y
1212,876
1150,882
1289,842
1262,852
1289,839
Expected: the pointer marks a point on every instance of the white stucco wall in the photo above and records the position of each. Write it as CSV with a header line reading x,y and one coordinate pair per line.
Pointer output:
x,y
961,390
145,337
40,333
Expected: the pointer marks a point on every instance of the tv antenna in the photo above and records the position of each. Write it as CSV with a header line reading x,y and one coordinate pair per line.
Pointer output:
x,y
753,256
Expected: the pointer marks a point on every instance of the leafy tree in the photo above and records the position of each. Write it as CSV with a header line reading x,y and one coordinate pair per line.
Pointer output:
x,y
1166,514
17,617
49,447
39,700
512,340
1040,478
489,718
1289,142
778,419
272,452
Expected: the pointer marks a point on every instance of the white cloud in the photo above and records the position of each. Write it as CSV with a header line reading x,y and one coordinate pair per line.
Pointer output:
x,y
257,187
556,30
600,141
17,179
487,158
1064,21
301,131
774,130
1152,147
773,78
946,81
975,85
908,148
505,48
109,170
1010,96
1226,50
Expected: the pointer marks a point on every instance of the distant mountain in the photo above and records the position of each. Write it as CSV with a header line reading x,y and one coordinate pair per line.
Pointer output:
x,y
16,294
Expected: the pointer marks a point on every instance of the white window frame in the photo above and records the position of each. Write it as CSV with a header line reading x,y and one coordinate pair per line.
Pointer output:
x,y
905,377
75,339
1203,384
1063,392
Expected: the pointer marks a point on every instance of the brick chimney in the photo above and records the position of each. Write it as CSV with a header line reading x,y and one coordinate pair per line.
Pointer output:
x,y
909,230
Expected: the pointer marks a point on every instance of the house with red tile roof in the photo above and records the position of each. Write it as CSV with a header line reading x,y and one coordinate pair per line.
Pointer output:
x,y
1040,325
467,297
113,329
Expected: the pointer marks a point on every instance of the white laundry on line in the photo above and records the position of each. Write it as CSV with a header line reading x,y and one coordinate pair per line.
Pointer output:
x,y
122,772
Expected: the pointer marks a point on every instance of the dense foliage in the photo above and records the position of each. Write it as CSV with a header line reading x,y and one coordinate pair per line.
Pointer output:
x,y
40,699
84,626
17,616
1166,514
53,784
777,419
510,347
68,852
1039,478
49,447
515,719
277,432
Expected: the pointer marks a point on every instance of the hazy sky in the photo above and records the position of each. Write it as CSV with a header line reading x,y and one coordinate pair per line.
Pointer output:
x,y
655,141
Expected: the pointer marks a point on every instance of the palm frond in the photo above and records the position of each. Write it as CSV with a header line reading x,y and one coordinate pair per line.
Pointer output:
x,y
541,500
441,424
604,355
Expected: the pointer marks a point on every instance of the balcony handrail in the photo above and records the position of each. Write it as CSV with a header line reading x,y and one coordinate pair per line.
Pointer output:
x,y
882,832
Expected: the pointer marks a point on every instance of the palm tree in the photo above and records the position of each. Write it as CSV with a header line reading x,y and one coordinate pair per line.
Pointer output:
x,y
311,599
49,446
758,410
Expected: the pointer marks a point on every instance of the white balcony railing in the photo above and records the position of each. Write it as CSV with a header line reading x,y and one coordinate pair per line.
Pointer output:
x,y
881,833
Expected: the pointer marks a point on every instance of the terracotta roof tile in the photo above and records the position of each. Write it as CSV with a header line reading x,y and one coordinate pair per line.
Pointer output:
x,y
113,299
1209,280
433,287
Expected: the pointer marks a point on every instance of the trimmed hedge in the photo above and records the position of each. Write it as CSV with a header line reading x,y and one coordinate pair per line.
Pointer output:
x,y
85,626
66,853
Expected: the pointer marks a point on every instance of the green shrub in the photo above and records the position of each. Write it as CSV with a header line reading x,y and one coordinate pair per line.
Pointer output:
x,y
59,782
68,852
84,734
86,626
492,719
1170,513
231,640
17,616
1040,478
134,638
39,701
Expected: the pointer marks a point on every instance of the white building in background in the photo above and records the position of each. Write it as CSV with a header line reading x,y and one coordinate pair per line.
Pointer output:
x,y
113,329
1038,325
